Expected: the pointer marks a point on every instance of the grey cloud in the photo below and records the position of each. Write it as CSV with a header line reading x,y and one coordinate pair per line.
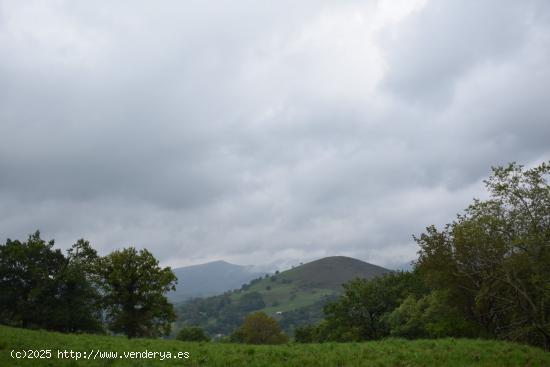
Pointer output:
x,y
261,135
441,44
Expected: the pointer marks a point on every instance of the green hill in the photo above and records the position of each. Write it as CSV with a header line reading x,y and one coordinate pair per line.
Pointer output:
x,y
294,297
392,352
308,283
332,272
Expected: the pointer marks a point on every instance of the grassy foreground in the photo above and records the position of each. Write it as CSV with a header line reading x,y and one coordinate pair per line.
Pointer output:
x,y
391,352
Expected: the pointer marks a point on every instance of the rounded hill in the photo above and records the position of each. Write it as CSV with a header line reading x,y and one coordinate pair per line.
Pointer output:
x,y
331,272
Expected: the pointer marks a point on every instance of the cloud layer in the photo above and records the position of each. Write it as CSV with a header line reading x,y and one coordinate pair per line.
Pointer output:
x,y
263,133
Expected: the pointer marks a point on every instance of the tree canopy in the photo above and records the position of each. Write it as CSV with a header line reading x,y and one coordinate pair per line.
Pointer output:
x,y
494,259
135,285
40,287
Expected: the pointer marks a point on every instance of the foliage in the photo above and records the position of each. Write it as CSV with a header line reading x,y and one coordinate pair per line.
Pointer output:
x,y
251,301
432,316
389,352
259,328
308,315
202,311
305,334
319,332
81,303
494,260
222,314
134,287
40,287
360,314
192,334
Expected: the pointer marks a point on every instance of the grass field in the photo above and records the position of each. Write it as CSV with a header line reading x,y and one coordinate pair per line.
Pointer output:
x,y
391,352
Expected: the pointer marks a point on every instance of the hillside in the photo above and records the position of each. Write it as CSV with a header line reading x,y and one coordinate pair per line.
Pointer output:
x,y
209,279
308,283
294,296
392,352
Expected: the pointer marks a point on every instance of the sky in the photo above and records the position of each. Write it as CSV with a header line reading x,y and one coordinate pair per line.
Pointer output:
x,y
263,133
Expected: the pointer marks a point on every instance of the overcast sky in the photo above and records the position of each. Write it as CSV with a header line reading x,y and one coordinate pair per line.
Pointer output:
x,y
263,132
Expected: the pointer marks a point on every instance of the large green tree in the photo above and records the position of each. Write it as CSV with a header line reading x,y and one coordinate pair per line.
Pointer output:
x,y
134,286
40,287
28,281
360,313
81,306
494,259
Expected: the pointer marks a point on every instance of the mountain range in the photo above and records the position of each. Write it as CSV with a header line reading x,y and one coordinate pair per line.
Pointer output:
x,y
217,277
209,279
294,297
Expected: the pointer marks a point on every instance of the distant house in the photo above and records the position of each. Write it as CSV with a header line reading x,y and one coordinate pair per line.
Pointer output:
x,y
279,313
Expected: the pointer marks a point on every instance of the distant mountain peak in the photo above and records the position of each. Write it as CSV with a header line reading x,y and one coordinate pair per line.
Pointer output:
x,y
294,294
220,262
333,271
209,263
217,277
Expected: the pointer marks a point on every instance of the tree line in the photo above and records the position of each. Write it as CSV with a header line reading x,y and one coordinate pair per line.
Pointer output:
x,y
486,274
80,291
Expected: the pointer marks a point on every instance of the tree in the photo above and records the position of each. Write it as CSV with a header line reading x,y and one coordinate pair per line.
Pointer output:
x,y
360,312
80,306
40,287
494,259
432,316
29,273
134,287
305,334
192,334
259,328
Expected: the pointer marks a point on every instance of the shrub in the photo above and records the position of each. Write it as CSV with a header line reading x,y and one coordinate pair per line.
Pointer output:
x,y
259,328
192,334
305,334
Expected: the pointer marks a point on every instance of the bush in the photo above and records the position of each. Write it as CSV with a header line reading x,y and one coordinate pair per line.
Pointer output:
x,y
259,328
305,334
192,334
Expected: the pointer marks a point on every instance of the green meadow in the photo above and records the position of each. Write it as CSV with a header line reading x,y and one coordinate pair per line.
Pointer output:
x,y
390,352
